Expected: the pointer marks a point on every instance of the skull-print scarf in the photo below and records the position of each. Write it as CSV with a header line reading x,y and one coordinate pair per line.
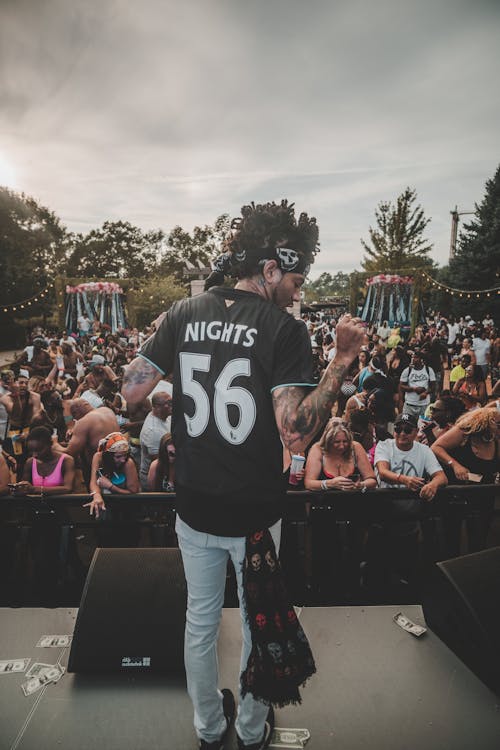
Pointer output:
x,y
281,659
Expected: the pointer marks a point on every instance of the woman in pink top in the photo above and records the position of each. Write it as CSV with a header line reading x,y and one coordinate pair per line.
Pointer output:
x,y
46,472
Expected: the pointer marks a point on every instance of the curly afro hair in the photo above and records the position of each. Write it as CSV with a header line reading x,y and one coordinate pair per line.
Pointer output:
x,y
259,232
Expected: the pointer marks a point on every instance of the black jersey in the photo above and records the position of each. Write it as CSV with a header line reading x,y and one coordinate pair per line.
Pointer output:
x,y
227,350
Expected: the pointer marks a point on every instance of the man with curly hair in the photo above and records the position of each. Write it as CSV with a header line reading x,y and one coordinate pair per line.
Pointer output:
x,y
242,387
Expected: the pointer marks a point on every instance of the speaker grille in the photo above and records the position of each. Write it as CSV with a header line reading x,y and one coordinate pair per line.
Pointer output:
x,y
132,613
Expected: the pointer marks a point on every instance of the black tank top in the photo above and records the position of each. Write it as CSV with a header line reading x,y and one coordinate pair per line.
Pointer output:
x,y
487,467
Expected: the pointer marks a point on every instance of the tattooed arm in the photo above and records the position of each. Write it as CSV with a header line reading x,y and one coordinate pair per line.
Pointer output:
x,y
139,380
300,414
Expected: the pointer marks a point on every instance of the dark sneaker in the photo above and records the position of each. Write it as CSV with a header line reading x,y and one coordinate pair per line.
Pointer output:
x,y
266,739
228,706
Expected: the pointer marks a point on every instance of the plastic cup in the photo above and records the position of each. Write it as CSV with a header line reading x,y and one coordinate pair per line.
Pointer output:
x,y
296,466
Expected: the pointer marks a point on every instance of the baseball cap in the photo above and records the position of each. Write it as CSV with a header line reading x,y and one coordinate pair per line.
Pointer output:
x,y
406,419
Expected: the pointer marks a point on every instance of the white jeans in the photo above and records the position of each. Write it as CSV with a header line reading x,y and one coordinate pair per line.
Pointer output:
x,y
205,558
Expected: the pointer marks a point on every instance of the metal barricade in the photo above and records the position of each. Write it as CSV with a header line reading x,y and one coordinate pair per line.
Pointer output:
x,y
327,539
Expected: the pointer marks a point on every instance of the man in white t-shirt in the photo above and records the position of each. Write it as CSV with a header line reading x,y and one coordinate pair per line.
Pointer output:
x,y
156,425
481,347
84,324
66,339
383,332
402,462
417,382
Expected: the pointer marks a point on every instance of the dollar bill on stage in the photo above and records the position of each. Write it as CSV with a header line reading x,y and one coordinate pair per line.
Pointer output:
x,y
54,641
11,666
41,674
292,739
410,627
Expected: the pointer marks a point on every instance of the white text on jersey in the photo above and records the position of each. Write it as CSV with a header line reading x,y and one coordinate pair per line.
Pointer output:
x,y
217,330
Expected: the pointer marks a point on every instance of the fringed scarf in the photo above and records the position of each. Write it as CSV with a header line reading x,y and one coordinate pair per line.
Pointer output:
x,y
281,659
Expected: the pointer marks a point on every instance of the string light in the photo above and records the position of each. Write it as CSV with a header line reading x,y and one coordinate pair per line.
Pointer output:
x,y
460,292
29,301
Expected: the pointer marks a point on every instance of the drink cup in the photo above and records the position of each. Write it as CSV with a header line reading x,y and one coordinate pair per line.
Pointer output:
x,y
296,466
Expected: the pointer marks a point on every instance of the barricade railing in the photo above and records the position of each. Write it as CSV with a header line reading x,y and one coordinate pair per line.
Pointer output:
x,y
324,534
370,502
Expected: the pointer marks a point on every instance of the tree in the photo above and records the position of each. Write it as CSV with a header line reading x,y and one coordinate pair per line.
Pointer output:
x,y
398,242
32,251
326,286
198,248
476,264
155,296
116,250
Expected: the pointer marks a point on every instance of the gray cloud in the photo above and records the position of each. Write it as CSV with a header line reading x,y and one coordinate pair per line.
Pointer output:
x,y
167,113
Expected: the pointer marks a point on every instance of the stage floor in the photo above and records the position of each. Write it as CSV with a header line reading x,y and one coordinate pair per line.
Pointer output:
x,y
377,688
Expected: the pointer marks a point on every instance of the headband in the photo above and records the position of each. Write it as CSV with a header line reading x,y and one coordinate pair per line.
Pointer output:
x,y
288,260
115,442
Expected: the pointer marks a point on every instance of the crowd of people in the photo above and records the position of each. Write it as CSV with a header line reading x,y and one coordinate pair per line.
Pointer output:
x,y
251,396
63,393
413,414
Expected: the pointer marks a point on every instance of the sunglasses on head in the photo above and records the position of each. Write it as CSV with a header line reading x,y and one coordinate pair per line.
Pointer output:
x,y
406,428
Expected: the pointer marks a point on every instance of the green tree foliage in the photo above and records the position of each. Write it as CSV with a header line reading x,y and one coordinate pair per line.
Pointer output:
x,y
397,243
32,242
32,251
476,264
116,250
154,296
326,286
197,248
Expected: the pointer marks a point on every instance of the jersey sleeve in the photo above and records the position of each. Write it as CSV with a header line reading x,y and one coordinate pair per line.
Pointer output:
x,y
293,357
158,350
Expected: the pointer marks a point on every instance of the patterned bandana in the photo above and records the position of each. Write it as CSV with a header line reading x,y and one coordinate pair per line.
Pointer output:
x,y
115,442
286,258
281,659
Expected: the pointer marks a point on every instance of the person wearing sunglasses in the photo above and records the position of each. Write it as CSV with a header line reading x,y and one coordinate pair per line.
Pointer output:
x,y
444,413
402,462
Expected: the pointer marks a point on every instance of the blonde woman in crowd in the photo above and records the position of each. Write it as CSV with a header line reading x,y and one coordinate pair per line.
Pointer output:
x,y
338,462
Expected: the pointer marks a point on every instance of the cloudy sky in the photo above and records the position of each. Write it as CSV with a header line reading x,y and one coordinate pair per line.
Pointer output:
x,y
165,112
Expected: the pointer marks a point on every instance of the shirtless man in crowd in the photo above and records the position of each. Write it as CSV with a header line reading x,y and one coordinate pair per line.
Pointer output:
x,y
91,425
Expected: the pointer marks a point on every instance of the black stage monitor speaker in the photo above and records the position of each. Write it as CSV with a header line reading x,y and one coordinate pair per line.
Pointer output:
x,y
462,606
132,613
